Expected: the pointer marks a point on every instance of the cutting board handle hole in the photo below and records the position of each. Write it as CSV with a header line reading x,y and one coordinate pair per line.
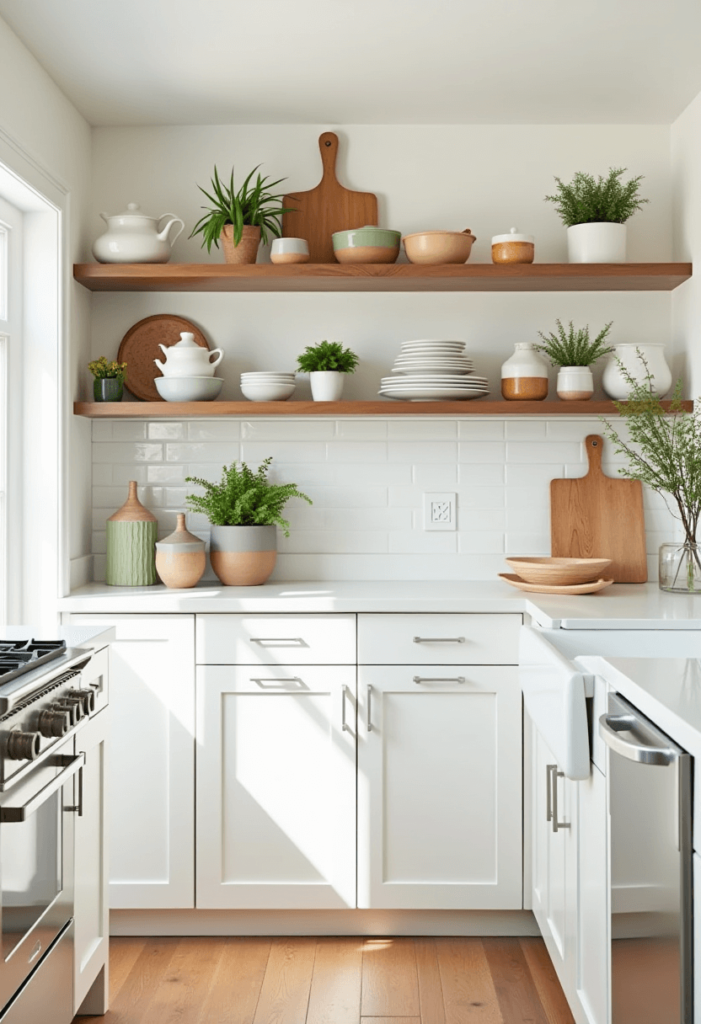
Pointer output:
x,y
595,444
327,143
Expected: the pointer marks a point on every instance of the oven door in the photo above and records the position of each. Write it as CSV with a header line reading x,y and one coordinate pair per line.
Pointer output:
x,y
37,862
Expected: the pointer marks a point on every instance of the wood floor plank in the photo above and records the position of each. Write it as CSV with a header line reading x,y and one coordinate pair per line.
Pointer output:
x,y
134,998
186,982
124,952
430,989
235,989
336,982
392,1020
469,995
284,997
516,991
546,981
390,979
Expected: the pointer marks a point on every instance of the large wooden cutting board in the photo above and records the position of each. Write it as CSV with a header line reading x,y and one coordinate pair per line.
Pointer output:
x,y
327,208
597,516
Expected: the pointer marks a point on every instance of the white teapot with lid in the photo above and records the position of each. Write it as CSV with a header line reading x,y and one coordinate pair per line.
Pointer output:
x,y
188,359
132,237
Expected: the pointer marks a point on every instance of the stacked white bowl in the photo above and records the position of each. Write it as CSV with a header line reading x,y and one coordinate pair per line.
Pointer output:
x,y
267,386
432,369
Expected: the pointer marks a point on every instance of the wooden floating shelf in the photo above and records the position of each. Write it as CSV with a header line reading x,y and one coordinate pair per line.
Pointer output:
x,y
244,410
380,277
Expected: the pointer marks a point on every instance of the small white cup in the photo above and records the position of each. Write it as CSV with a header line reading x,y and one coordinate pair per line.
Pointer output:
x,y
289,250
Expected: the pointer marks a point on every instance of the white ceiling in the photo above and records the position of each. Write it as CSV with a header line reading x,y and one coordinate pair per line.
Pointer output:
x,y
136,62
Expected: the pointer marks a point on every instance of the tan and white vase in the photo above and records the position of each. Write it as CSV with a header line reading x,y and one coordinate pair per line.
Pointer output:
x,y
243,556
524,377
247,249
180,557
131,539
575,383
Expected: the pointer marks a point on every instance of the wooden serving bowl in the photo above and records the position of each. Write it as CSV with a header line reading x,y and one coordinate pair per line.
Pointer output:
x,y
559,572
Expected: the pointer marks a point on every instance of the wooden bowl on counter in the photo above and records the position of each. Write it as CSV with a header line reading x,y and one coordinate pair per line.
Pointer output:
x,y
559,572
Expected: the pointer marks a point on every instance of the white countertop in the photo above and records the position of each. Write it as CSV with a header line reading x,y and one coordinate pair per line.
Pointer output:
x,y
80,637
622,606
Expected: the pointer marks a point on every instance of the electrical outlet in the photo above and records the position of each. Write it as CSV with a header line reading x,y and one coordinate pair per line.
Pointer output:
x,y
440,511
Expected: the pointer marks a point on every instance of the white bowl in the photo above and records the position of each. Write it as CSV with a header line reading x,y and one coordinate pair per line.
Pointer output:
x,y
188,389
261,377
271,392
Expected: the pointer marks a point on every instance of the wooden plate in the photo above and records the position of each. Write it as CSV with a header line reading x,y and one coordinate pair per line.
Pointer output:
x,y
541,588
140,347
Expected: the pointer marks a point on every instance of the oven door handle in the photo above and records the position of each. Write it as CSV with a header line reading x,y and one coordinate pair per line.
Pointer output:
x,y
73,765
610,727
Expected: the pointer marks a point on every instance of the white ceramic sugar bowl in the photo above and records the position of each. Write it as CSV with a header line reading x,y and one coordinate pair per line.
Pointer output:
x,y
132,237
188,359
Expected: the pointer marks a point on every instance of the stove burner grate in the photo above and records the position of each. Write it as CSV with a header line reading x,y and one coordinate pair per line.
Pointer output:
x,y
18,656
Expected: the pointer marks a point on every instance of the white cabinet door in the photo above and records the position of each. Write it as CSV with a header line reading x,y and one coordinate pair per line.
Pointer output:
x,y
592,974
91,905
276,787
439,788
152,760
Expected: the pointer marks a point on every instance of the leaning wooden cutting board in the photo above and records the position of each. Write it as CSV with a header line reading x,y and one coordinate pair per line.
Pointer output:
x,y
597,516
327,208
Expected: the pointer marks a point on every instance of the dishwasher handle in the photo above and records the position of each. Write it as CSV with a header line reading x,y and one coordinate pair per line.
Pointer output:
x,y
655,753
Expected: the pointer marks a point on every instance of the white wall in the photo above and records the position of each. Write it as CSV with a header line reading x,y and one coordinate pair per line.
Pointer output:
x,y
686,190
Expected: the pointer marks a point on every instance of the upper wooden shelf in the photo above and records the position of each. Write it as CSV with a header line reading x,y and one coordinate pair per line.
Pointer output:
x,y
381,277
382,407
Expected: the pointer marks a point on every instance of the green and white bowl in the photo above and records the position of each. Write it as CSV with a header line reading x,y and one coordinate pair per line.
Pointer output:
x,y
366,245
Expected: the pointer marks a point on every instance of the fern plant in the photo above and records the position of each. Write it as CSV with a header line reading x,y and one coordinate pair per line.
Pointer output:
x,y
327,355
574,347
589,200
244,497
255,205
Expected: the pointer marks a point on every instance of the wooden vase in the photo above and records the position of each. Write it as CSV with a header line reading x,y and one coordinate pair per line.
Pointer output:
x,y
131,539
247,249
180,558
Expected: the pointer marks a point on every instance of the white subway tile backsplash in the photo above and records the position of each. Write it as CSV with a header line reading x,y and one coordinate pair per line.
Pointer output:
x,y
481,430
437,477
128,430
345,542
478,543
482,451
163,431
361,430
356,451
367,519
347,497
99,542
358,475
165,474
530,476
422,451
191,451
481,497
102,430
405,497
410,541
123,473
520,542
295,430
480,476
527,497
542,452
525,430
477,519
213,430
528,520
108,497
123,452
422,429
101,474
560,429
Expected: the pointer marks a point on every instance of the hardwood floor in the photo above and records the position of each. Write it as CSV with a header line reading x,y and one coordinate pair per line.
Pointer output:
x,y
333,981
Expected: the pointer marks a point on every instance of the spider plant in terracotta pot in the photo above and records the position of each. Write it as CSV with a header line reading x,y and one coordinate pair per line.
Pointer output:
x,y
240,219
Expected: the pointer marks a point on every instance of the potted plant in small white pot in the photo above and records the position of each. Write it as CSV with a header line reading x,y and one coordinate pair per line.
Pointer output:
x,y
595,211
240,219
244,509
326,364
573,351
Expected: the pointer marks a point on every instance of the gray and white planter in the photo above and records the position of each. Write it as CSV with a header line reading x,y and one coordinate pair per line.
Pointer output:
x,y
327,385
243,556
597,243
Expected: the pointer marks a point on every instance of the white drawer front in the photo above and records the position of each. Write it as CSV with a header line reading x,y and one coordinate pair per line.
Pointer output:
x,y
275,640
434,639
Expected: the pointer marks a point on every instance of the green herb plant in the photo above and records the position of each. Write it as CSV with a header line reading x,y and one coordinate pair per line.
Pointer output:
x,y
244,497
327,355
664,452
590,200
101,369
574,347
252,204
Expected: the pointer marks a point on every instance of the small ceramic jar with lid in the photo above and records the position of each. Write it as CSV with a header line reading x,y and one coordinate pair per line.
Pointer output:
x,y
513,248
524,377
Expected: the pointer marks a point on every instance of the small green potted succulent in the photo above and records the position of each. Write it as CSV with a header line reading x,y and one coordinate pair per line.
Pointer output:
x,y
108,385
573,351
595,211
240,219
327,363
244,509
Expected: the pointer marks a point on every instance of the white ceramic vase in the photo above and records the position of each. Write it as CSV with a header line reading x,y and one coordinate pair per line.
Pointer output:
x,y
327,385
597,243
575,383
631,356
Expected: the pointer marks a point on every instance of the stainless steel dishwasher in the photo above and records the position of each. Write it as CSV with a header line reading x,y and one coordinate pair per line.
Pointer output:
x,y
651,895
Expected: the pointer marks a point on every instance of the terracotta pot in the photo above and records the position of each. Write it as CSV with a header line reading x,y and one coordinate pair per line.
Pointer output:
x,y
180,558
247,249
243,556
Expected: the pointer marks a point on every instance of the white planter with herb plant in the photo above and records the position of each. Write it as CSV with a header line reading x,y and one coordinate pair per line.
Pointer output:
x,y
664,452
628,356
240,219
595,211
244,510
327,363
574,352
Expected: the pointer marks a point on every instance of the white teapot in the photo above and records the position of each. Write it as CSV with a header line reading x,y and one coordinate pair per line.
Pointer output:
x,y
132,237
188,359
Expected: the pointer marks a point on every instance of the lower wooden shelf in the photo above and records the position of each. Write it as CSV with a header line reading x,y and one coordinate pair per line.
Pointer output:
x,y
212,410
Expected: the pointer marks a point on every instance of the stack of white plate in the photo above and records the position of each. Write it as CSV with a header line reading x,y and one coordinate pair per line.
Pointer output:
x,y
431,370
268,386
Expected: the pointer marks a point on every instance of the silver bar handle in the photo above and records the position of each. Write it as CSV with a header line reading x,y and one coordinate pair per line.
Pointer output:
x,y
439,639
344,725
72,765
439,679
609,728
555,775
370,725
263,640
276,680
549,793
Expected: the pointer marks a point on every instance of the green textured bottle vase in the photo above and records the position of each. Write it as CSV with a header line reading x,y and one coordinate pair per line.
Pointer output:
x,y
131,544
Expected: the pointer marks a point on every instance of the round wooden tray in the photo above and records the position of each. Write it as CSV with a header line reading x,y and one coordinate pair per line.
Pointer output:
x,y
541,588
139,348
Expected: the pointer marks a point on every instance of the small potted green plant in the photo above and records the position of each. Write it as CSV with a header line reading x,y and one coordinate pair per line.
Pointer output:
x,y
240,219
595,211
326,364
573,351
108,385
244,509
